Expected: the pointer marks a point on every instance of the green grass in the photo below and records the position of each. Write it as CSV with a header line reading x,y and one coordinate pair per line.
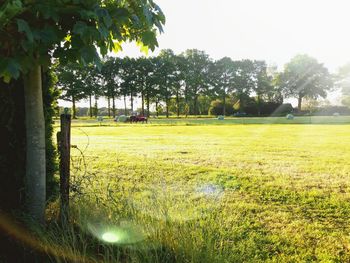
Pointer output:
x,y
194,191
206,120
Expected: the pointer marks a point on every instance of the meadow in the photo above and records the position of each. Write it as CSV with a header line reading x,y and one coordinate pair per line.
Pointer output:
x,y
203,190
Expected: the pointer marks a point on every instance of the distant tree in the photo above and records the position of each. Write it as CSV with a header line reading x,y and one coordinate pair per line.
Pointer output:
x,y
311,105
343,82
111,77
263,83
222,73
129,80
346,101
305,77
343,79
148,80
244,82
196,76
179,81
217,107
204,104
167,76
71,84
151,88
106,79
141,76
92,85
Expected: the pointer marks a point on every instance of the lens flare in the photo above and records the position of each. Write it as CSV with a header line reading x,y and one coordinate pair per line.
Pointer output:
x,y
125,233
176,202
210,190
110,237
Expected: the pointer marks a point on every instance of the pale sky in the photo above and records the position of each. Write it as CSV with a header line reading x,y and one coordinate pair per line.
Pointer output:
x,y
271,30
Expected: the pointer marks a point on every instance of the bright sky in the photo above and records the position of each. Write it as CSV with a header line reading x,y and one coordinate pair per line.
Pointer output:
x,y
271,30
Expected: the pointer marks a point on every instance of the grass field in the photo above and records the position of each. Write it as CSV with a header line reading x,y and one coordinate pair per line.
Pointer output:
x,y
206,120
195,191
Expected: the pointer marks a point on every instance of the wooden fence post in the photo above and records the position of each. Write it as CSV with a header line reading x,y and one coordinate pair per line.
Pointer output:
x,y
63,140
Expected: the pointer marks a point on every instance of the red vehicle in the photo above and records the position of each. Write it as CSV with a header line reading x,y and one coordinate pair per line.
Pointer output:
x,y
138,119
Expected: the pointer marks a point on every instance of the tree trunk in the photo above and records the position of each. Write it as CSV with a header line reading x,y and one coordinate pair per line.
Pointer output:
x,y
195,102
63,142
35,181
224,105
90,105
109,107
177,104
74,109
167,106
113,106
259,105
300,99
132,103
157,108
95,108
148,111
187,107
143,104
125,113
241,106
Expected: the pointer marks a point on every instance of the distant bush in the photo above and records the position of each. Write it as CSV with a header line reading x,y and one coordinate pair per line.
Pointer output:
x,y
267,108
283,109
330,110
217,108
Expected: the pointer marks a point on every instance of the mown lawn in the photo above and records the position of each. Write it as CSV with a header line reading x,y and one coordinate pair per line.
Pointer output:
x,y
216,193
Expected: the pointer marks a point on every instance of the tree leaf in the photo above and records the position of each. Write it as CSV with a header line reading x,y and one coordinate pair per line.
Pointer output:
x,y
143,48
148,15
13,68
80,28
24,27
7,78
117,46
107,20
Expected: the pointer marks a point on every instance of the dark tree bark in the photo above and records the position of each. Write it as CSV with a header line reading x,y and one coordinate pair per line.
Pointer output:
x,y
300,100
109,106
64,139
35,182
143,104
96,108
241,102
132,102
125,110
74,109
90,105
224,104
113,106
177,104
148,102
167,106
195,105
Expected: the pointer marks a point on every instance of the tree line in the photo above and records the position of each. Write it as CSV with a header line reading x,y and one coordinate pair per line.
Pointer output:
x,y
191,83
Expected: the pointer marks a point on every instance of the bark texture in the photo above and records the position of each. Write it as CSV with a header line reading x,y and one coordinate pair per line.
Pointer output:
x,y
35,181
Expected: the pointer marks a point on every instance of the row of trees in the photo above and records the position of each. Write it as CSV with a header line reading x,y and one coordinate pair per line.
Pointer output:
x,y
189,82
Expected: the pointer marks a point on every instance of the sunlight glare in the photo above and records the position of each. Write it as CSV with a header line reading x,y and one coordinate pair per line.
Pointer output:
x,y
110,237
